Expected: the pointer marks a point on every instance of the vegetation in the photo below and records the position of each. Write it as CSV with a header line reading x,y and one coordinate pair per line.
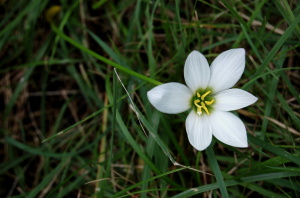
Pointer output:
x,y
69,129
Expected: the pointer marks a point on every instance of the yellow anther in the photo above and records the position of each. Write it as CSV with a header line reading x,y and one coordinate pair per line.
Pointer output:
x,y
199,111
196,103
198,95
204,95
204,107
209,102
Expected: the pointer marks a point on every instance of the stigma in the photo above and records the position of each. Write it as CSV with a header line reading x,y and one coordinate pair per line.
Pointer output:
x,y
201,103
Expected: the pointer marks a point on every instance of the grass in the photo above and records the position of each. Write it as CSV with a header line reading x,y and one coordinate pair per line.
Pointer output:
x,y
69,128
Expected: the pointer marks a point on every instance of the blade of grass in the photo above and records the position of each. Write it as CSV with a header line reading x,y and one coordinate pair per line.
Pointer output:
x,y
23,81
107,49
75,173
247,85
290,86
17,92
286,11
286,183
273,149
289,110
40,63
216,169
241,36
108,170
148,180
35,151
272,89
263,191
240,181
46,180
10,164
277,46
103,59
7,30
77,123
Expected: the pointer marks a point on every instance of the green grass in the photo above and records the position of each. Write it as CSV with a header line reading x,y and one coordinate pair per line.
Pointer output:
x,y
69,129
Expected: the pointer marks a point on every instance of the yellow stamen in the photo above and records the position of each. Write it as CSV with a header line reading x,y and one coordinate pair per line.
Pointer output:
x,y
209,102
204,95
204,107
196,103
199,111
198,95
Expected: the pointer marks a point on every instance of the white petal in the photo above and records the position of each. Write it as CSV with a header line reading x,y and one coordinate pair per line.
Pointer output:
x,y
227,69
199,130
228,128
233,99
196,71
170,97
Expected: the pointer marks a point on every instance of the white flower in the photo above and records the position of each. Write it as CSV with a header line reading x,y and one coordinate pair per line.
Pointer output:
x,y
209,97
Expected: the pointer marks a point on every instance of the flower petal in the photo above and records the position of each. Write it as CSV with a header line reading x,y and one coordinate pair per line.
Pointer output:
x,y
228,128
233,99
199,130
227,69
170,97
196,71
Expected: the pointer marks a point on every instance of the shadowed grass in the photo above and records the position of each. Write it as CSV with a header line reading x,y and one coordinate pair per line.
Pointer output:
x,y
69,129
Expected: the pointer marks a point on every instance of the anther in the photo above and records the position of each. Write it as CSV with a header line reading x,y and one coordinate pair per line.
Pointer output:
x,y
204,107
196,103
204,95
198,95
209,102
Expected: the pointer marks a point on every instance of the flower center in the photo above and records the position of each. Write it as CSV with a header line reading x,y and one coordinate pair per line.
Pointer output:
x,y
202,102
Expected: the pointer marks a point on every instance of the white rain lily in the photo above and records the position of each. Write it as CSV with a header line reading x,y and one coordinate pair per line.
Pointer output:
x,y
209,95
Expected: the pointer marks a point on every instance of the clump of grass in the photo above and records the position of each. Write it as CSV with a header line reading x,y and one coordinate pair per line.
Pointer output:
x,y
69,129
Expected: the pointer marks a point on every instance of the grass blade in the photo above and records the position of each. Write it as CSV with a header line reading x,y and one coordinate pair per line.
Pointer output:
x,y
216,169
